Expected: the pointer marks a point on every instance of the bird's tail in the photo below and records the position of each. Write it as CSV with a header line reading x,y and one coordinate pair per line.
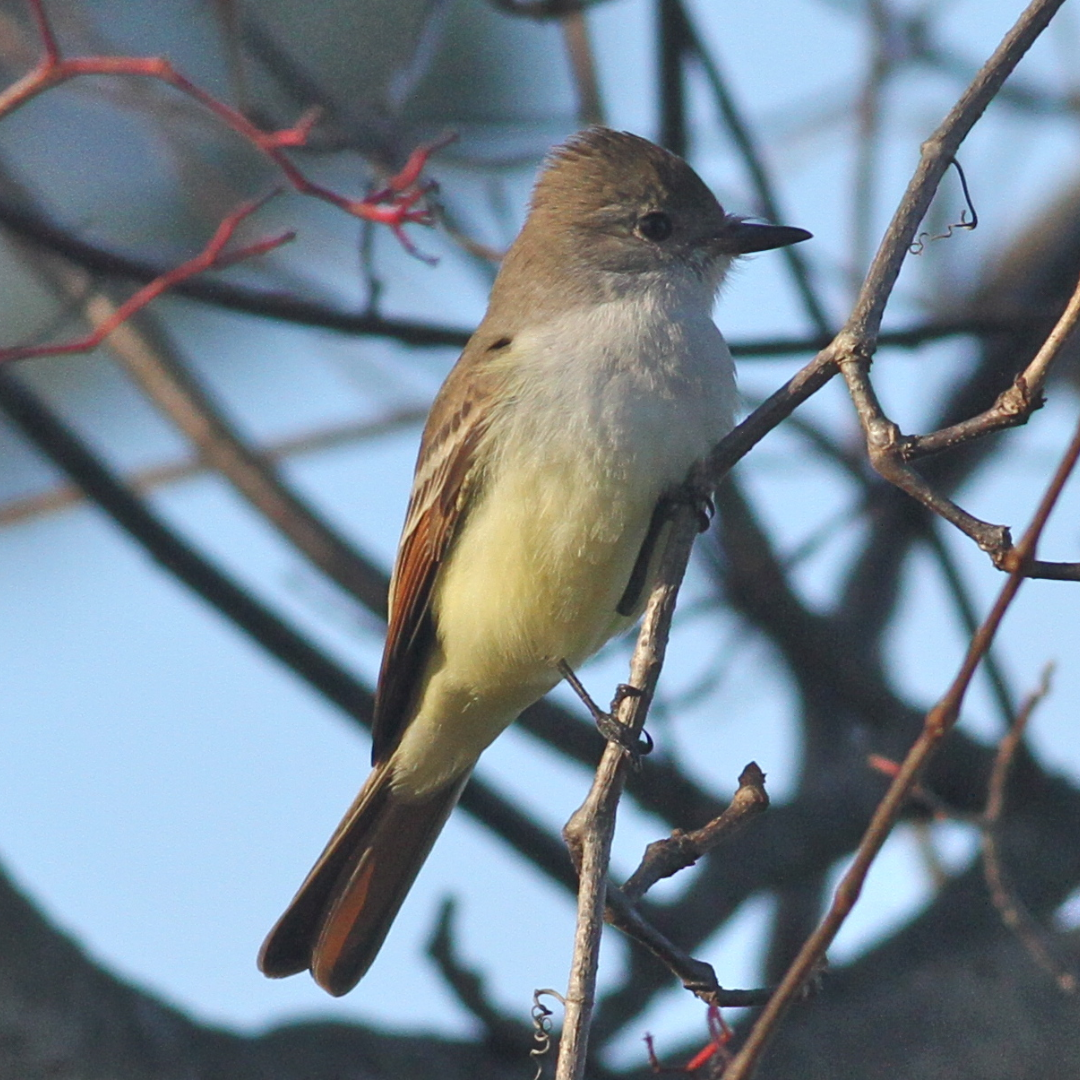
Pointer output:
x,y
338,920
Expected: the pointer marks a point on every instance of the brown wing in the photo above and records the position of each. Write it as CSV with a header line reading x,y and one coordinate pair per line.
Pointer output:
x,y
446,474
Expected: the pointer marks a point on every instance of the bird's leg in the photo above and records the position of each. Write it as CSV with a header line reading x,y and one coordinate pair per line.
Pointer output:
x,y
631,597
606,722
703,507
700,501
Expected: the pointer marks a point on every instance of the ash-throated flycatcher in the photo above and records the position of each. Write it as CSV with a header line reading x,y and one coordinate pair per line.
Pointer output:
x,y
594,383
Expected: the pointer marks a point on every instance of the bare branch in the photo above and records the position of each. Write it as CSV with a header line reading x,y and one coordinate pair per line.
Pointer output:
x,y
1015,405
590,108
939,722
394,205
212,257
589,831
663,858
1014,914
144,481
468,986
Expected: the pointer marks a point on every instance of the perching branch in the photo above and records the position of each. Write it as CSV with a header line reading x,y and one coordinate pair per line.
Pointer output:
x,y
590,830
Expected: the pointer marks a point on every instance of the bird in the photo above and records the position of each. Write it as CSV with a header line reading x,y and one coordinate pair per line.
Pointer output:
x,y
595,381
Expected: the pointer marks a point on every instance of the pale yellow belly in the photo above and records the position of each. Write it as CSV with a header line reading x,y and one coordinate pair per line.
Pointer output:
x,y
534,578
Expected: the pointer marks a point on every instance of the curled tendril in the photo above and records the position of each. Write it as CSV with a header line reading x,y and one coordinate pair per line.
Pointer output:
x,y
919,243
541,1017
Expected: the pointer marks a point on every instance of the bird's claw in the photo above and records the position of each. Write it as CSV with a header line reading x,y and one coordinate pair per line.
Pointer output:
x,y
635,747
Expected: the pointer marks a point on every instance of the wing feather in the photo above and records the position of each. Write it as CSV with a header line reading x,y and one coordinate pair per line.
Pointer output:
x,y
447,473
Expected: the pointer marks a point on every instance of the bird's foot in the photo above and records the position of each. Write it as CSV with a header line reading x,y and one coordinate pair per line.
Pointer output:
x,y
635,747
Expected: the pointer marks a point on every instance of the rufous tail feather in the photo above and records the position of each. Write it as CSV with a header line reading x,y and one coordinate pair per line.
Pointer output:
x,y
340,916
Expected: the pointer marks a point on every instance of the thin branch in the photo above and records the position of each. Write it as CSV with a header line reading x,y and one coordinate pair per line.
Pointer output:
x,y
394,205
869,129
182,400
958,592
884,446
672,45
579,52
468,986
663,858
939,722
283,307
889,450
212,257
274,305
1014,405
1014,913
695,975
65,450
589,831
937,154
144,481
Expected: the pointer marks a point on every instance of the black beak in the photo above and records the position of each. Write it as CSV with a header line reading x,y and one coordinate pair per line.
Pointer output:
x,y
743,237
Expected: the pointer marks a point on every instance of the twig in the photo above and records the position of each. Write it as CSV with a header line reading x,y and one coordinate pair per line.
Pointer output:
x,y
65,450
663,858
939,722
182,400
969,620
673,44
857,340
468,986
1013,912
1015,405
394,205
264,303
62,496
882,64
589,831
212,257
285,308
889,450
743,137
590,108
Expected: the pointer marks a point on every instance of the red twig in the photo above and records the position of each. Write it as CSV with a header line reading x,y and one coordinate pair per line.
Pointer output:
x,y
212,257
715,1051
393,205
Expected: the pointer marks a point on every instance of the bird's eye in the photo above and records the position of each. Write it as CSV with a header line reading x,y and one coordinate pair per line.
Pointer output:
x,y
655,226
